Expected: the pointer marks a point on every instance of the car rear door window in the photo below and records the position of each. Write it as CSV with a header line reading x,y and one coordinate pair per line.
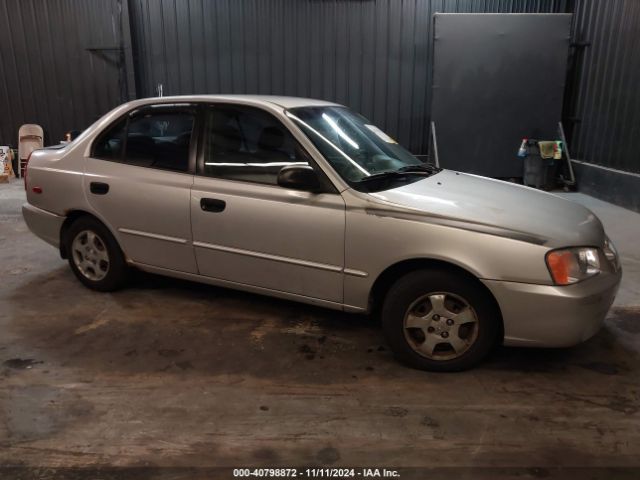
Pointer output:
x,y
248,144
151,137
110,144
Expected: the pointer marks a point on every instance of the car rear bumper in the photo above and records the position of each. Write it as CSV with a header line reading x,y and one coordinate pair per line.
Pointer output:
x,y
45,225
554,316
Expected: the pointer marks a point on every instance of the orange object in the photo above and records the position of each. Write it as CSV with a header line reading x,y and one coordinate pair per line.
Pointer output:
x,y
560,263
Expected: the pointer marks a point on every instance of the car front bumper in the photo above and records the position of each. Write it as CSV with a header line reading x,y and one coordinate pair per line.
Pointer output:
x,y
554,316
45,225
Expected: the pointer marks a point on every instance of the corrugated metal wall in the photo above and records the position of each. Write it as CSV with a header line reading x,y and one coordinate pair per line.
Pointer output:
x,y
606,94
372,55
47,74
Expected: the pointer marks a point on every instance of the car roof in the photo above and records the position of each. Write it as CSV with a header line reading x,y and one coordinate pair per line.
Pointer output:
x,y
282,101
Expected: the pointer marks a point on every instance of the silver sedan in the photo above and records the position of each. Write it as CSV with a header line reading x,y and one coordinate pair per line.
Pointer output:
x,y
309,201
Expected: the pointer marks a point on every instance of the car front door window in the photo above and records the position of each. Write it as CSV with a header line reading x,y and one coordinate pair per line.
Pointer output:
x,y
248,144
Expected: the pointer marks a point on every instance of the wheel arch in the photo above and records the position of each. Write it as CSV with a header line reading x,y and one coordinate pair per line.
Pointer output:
x,y
71,217
387,277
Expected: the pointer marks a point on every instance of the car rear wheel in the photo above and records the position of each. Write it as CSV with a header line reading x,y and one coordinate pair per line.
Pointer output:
x,y
95,256
440,321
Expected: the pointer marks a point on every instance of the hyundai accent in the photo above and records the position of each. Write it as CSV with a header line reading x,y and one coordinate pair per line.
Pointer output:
x,y
306,200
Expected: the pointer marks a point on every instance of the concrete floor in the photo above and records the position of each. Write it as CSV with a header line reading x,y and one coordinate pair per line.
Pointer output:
x,y
175,374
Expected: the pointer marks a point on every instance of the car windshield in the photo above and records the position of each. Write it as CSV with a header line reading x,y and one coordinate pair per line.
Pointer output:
x,y
355,148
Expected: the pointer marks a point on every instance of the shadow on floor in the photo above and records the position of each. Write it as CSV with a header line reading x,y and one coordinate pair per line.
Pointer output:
x,y
163,325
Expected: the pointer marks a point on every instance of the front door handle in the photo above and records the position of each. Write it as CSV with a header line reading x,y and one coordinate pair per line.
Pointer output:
x,y
212,205
99,188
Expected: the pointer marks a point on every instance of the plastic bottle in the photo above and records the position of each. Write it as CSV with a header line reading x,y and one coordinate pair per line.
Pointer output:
x,y
522,151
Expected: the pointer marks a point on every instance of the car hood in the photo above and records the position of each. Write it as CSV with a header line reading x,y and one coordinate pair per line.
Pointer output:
x,y
494,207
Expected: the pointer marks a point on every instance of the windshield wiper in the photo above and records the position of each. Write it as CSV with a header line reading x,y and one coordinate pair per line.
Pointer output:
x,y
423,169
394,174
420,167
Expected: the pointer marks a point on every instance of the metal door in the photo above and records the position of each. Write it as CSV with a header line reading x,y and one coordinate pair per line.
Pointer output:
x,y
139,184
249,230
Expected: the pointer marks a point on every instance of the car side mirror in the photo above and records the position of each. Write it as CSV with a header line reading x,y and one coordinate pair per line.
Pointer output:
x,y
299,177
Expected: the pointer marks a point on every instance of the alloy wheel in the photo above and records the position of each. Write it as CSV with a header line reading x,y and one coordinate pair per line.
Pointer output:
x,y
90,255
441,326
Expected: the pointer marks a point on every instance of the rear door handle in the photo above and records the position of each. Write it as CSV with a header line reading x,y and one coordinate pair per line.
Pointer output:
x,y
212,205
99,188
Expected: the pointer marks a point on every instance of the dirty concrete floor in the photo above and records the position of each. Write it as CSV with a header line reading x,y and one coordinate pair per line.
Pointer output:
x,y
175,374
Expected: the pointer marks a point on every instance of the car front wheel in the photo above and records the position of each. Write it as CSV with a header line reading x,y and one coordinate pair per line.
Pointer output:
x,y
440,321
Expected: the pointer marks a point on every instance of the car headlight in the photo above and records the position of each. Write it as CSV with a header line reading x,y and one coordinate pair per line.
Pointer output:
x,y
611,253
572,265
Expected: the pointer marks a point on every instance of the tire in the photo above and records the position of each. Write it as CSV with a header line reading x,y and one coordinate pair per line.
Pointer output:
x,y
441,312
95,256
